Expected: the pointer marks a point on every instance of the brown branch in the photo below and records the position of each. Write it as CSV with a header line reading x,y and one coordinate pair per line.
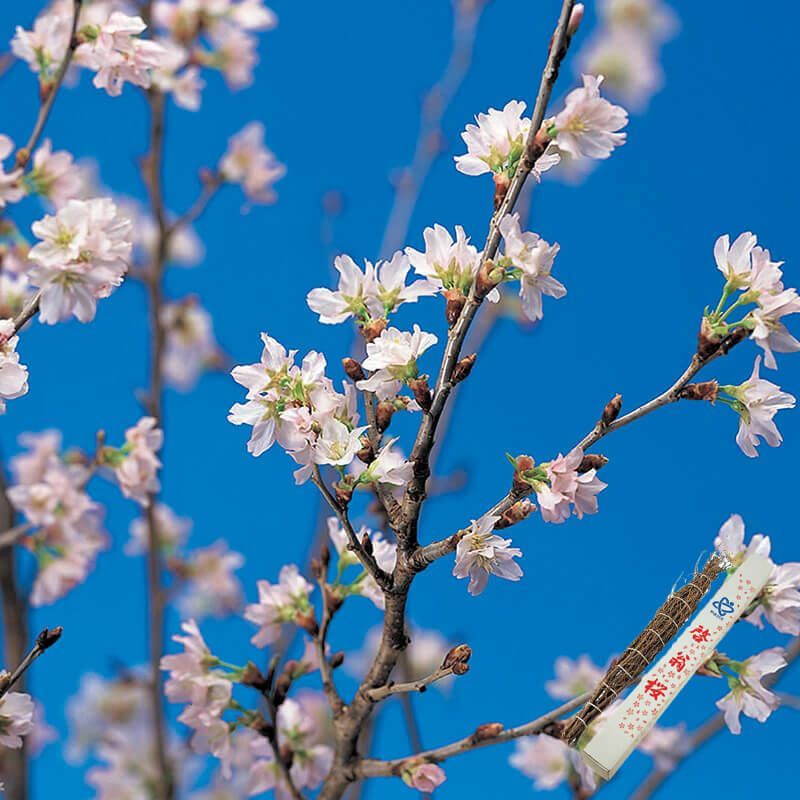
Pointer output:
x,y
320,640
424,556
271,733
707,731
382,692
415,493
152,170
482,737
24,155
10,537
13,763
44,641
211,185
383,579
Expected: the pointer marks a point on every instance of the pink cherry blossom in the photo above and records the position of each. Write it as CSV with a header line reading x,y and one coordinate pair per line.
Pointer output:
x,y
171,531
136,464
667,746
730,542
13,375
481,553
16,718
11,189
588,126
250,163
748,695
43,47
210,586
423,777
54,175
82,257
278,604
573,677
190,346
550,762
534,258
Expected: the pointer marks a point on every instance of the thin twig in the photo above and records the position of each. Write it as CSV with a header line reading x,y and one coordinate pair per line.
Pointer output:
x,y
375,768
320,640
381,692
13,535
383,579
415,493
44,641
24,155
211,186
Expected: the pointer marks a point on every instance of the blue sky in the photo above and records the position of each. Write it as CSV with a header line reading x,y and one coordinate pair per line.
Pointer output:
x,y
338,90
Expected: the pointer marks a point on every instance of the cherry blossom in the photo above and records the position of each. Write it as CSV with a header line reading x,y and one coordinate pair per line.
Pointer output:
x,y
43,47
10,188
250,163
550,762
730,542
748,695
769,332
13,375
115,51
82,257
173,75
757,401
567,490
393,357
210,586
16,718
650,18
496,143
171,532
190,346
573,677
383,551
779,601
54,175
735,261
423,777
135,464
234,54
481,553
628,63
667,746
388,467
533,257
588,126
278,604
447,263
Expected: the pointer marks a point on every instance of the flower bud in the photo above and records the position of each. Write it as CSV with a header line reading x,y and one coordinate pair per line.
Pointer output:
x,y
23,156
336,660
489,730
259,724
282,685
591,461
365,455
463,368
457,659
612,409
455,302
344,493
316,569
384,412
307,621
421,391
501,184
488,277
366,544
5,679
705,390
252,676
353,369
373,329
518,512
707,340
48,637
575,19
325,555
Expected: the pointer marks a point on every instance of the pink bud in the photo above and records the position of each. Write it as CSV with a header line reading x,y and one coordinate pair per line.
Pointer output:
x,y
424,777
575,19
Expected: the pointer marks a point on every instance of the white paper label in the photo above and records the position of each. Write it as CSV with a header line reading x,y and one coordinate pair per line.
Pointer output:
x,y
639,711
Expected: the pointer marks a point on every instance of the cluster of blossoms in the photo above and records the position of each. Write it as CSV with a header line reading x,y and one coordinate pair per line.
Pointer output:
x,y
135,465
232,734
82,256
753,280
250,163
67,534
588,127
626,48
187,35
299,408
279,604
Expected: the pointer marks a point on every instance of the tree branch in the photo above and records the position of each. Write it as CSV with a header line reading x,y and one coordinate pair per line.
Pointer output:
x,y
382,692
374,768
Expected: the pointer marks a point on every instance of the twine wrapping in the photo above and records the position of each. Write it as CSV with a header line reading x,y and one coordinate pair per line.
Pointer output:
x,y
666,622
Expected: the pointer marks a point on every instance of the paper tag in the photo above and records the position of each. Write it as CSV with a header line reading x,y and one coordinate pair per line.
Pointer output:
x,y
636,715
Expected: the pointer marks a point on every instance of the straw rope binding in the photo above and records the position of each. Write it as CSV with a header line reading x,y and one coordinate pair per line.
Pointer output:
x,y
639,654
